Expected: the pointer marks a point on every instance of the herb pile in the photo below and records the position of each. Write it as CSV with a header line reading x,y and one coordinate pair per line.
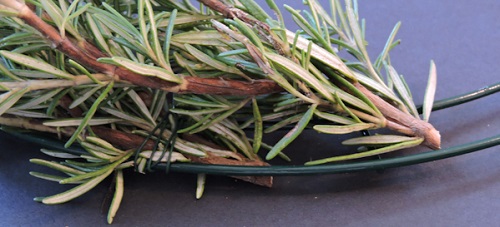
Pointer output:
x,y
139,83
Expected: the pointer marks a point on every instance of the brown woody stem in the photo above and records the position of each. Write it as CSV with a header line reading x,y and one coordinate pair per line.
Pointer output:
x,y
127,141
88,57
403,122
396,119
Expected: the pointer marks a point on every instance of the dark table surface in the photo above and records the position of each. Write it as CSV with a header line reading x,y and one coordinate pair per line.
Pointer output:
x,y
461,36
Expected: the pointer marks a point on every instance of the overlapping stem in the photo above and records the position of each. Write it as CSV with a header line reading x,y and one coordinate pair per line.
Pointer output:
x,y
88,56
396,119
402,122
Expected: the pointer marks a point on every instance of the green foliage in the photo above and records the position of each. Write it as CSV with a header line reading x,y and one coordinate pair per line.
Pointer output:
x,y
172,40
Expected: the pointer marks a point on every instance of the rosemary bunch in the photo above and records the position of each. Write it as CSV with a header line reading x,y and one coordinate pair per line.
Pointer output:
x,y
142,83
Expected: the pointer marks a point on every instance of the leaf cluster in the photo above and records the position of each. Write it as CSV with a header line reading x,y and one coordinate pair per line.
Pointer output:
x,y
172,41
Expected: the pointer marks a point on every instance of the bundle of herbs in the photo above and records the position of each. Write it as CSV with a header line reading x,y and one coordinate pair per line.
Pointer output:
x,y
148,82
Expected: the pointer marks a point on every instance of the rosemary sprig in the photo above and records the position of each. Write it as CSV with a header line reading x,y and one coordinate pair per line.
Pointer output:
x,y
156,69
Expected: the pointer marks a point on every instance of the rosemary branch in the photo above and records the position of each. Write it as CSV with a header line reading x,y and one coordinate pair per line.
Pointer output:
x,y
398,120
189,84
171,83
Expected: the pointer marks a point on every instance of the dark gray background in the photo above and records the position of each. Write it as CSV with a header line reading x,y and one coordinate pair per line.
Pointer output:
x,y
463,39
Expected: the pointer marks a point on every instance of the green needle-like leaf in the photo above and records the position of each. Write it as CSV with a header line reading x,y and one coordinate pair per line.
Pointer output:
x,y
382,150
85,96
202,57
56,166
8,99
48,177
105,153
258,126
159,55
39,100
283,123
297,71
7,72
58,154
141,106
343,129
89,115
146,70
197,101
220,117
168,38
79,121
69,15
255,10
76,191
247,31
95,174
334,118
102,143
302,22
117,197
377,140
402,89
292,134
205,38
125,116
322,55
35,64
53,11
383,55
200,185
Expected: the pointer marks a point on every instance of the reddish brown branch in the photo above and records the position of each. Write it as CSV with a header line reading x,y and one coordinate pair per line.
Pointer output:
x,y
213,86
88,57
128,141
397,120
65,101
220,7
403,122
266,181
231,12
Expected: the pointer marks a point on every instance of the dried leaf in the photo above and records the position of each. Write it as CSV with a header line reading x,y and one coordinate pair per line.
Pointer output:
x,y
429,92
